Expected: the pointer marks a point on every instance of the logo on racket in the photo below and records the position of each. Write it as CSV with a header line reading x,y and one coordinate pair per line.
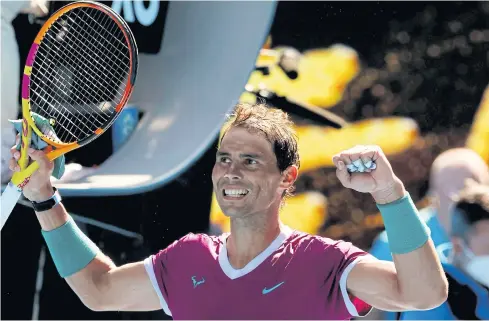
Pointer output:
x,y
24,183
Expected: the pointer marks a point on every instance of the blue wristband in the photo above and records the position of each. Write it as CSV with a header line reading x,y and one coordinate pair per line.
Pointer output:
x,y
70,249
406,231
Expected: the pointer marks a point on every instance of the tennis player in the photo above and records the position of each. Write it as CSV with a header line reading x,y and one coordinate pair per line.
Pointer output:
x,y
262,269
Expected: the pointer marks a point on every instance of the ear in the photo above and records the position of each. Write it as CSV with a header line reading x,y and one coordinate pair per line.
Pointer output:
x,y
289,177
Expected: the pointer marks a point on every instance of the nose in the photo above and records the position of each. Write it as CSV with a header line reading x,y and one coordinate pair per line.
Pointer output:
x,y
232,176
233,173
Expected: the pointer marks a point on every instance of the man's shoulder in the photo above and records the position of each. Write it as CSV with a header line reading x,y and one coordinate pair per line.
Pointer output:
x,y
314,244
298,238
198,240
193,242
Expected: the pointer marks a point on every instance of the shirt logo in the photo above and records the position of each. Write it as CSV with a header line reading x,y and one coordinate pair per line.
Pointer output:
x,y
197,283
266,291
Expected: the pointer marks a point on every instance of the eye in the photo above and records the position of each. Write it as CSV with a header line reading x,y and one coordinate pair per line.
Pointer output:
x,y
250,161
224,159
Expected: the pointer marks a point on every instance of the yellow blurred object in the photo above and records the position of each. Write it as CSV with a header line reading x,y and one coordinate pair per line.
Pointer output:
x,y
323,74
305,212
276,81
478,139
267,57
318,145
247,97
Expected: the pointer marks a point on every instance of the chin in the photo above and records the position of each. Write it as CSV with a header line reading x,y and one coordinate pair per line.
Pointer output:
x,y
232,212
232,208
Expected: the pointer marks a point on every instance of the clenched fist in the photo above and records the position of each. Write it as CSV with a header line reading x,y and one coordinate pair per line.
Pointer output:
x,y
366,169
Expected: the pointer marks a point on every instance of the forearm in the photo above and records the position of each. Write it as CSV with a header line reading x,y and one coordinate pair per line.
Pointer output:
x,y
87,283
53,218
420,276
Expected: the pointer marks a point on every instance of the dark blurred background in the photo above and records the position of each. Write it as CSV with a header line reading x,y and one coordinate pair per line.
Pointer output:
x,y
432,58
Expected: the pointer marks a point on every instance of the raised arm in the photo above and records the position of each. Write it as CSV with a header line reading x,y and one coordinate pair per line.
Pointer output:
x,y
415,280
99,284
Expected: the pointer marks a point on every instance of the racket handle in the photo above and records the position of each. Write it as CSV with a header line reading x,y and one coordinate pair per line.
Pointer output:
x,y
20,179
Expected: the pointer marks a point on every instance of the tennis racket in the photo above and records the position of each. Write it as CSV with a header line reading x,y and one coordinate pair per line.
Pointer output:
x,y
79,74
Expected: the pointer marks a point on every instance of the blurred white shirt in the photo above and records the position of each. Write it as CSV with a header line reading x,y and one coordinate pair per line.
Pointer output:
x,y
10,80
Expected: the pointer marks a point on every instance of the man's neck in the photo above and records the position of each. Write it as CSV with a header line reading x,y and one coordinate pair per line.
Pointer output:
x,y
250,236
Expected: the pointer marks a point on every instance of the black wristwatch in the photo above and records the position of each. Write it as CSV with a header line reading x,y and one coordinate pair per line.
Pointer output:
x,y
49,203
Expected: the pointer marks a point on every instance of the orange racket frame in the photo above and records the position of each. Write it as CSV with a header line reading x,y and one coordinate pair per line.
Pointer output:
x,y
21,178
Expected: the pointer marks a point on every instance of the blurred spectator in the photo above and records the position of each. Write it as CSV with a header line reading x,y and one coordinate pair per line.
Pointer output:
x,y
468,268
449,172
11,72
470,232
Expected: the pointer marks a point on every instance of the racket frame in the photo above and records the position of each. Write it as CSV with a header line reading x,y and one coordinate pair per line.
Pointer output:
x,y
21,178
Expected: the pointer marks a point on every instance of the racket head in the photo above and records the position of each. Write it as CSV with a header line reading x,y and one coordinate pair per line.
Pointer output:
x,y
79,74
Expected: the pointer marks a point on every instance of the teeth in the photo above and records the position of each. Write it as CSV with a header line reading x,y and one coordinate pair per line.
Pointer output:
x,y
235,192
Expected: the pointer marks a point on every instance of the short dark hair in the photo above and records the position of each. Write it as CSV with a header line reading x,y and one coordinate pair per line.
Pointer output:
x,y
275,124
472,206
473,203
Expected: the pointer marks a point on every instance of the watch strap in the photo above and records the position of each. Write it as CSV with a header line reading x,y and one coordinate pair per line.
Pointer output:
x,y
49,203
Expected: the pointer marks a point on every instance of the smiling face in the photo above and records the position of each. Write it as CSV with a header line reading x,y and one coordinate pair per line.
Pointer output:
x,y
246,177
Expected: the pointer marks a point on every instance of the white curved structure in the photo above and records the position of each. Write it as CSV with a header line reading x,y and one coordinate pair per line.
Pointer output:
x,y
208,52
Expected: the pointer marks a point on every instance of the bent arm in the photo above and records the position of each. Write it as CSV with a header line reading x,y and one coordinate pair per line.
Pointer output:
x,y
100,285
415,281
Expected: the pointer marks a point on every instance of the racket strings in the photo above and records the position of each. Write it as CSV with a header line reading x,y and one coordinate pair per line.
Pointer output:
x,y
79,74
95,53
91,66
60,76
71,124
